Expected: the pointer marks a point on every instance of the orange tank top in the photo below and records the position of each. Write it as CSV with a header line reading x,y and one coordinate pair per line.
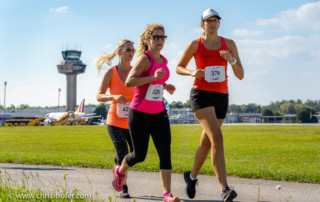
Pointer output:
x,y
215,67
117,87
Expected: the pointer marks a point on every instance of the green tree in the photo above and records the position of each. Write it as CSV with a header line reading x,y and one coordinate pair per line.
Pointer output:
x,y
304,115
100,110
253,108
287,108
234,108
177,104
243,108
267,112
24,106
187,104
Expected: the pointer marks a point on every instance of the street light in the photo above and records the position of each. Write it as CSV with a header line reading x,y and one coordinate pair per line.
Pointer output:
x,y
59,90
4,103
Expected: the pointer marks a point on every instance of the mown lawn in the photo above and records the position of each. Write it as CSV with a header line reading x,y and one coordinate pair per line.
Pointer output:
x,y
287,152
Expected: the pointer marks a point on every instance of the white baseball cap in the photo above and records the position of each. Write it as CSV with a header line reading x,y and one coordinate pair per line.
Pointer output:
x,y
209,13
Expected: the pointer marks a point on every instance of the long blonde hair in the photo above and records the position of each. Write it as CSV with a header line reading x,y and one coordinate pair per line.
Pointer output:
x,y
107,58
143,46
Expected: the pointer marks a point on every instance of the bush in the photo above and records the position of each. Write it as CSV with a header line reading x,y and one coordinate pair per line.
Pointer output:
x,y
304,115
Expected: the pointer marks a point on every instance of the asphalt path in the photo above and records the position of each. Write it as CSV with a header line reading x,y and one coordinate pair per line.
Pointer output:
x,y
146,186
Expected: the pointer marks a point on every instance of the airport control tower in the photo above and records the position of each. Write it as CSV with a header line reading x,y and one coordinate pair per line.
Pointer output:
x,y
71,66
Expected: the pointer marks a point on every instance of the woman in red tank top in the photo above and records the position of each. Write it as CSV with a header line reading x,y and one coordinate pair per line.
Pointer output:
x,y
209,96
120,97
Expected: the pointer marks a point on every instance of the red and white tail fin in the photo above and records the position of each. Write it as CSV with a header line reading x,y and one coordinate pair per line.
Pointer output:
x,y
81,107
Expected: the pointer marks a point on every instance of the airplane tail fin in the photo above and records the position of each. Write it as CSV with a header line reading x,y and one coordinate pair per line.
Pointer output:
x,y
81,107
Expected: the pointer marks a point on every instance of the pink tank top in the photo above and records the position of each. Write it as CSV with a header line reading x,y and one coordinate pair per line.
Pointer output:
x,y
148,97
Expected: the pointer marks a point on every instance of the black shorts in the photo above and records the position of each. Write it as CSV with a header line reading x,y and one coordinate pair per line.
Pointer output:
x,y
200,99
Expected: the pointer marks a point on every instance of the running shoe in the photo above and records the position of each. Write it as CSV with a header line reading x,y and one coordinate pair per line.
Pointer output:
x,y
125,192
190,185
117,181
228,194
170,198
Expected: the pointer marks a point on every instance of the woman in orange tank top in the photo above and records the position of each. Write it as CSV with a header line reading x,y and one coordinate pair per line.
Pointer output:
x,y
120,97
209,96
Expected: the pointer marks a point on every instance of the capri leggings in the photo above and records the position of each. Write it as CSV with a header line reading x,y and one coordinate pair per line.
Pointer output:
x,y
121,139
141,125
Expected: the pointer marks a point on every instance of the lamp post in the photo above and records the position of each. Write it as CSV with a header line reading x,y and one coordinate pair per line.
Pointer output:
x,y
4,103
59,90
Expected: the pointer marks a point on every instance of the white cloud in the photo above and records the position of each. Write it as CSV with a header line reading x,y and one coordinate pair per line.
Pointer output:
x,y
278,48
305,75
307,16
107,46
245,32
197,30
174,46
62,9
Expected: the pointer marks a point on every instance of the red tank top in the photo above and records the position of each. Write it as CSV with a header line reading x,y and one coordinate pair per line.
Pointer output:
x,y
208,58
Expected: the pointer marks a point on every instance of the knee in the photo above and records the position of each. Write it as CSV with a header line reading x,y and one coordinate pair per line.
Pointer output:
x,y
139,157
218,143
133,159
205,145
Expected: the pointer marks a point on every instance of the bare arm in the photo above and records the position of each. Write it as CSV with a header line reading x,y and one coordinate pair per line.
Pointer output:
x,y
185,59
104,85
138,68
233,52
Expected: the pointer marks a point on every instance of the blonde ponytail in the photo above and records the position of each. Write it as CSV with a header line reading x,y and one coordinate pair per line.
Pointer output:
x,y
107,58
143,46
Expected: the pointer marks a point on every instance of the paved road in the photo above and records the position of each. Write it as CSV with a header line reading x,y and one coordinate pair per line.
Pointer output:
x,y
146,186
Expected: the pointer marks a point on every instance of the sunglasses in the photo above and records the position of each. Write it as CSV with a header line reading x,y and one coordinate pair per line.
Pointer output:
x,y
211,21
130,49
157,37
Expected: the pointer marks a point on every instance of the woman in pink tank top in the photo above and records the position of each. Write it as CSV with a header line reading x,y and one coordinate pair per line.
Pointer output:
x,y
147,114
120,97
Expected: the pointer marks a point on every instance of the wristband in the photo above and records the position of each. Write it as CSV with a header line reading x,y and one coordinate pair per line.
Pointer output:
x,y
234,61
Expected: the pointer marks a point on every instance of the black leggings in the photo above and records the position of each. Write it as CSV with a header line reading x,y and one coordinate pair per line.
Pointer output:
x,y
141,125
121,139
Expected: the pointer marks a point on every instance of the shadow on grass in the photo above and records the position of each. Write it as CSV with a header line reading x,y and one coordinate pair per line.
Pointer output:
x,y
32,168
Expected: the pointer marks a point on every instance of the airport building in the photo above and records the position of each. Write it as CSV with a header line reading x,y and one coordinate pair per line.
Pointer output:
x,y
71,66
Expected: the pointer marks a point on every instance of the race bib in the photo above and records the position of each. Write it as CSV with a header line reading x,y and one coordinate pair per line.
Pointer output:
x,y
215,74
155,92
123,109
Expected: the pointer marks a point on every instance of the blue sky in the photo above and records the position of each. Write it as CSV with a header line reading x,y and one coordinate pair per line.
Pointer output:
x,y
278,43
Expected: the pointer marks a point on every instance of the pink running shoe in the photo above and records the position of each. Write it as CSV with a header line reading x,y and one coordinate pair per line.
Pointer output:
x,y
170,198
117,181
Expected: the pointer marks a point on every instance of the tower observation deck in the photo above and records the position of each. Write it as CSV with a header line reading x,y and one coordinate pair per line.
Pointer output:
x,y
71,66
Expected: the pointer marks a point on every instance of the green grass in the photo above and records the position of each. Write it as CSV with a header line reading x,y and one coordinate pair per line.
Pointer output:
x,y
290,153
11,190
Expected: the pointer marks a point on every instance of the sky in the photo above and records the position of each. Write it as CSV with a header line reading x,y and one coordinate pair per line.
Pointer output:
x,y
278,44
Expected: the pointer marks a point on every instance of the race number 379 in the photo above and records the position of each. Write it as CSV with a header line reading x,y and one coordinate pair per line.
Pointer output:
x,y
215,74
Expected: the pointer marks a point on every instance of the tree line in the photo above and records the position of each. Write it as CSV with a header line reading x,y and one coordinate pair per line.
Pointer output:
x,y
274,108
303,110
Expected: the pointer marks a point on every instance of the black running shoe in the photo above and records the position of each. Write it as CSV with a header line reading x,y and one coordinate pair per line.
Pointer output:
x,y
124,193
190,185
228,194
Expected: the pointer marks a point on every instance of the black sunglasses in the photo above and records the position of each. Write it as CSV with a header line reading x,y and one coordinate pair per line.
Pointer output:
x,y
130,49
157,37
